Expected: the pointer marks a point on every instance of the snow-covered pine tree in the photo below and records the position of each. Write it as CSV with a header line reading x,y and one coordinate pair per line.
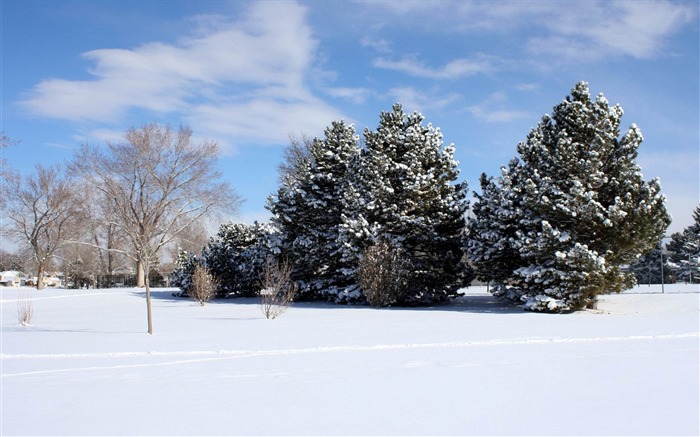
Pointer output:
x,y
308,209
684,251
405,191
492,230
647,269
184,269
287,205
585,210
236,257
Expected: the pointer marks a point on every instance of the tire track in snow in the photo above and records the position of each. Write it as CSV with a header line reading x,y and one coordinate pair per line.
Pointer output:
x,y
200,356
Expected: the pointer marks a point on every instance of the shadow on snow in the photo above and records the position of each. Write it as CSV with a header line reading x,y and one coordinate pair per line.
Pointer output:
x,y
469,303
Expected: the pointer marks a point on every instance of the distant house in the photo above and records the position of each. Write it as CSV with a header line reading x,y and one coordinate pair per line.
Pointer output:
x,y
12,278
50,280
53,280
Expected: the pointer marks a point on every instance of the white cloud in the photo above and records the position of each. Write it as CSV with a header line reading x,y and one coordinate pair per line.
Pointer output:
x,y
263,120
527,87
379,45
591,30
414,100
101,135
244,77
452,70
586,30
60,146
492,110
355,95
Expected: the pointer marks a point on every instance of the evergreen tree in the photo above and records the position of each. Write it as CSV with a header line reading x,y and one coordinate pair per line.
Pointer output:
x,y
647,269
404,190
288,206
684,251
492,231
237,255
308,209
584,210
184,269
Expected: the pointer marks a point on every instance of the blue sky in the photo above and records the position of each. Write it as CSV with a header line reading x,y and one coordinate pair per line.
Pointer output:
x,y
249,74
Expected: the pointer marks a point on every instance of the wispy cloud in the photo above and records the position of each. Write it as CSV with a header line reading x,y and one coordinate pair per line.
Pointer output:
x,y
60,146
592,30
586,30
227,77
527,86
101,135
379,45
414,100
494,110
263,120
454,69
355,95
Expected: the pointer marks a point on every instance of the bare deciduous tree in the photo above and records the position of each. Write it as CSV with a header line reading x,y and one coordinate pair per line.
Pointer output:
x,y
102,233
278,291
295,158
191,240
42,214
5,171
10,260
159,183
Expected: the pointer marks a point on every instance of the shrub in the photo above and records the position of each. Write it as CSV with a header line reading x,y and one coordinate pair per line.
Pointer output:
x,y
25,310
278,291
203,286
383,274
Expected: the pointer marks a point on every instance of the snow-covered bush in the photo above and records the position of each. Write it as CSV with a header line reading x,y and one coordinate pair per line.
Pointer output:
x,y
557,228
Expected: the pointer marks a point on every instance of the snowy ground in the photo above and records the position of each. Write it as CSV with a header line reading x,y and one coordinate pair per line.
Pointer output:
x,y
86,367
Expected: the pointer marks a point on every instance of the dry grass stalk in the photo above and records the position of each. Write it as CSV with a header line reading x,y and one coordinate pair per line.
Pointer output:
x,y
278,291
25,310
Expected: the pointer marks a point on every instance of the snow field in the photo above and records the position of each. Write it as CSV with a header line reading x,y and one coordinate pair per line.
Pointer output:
x,y
86,367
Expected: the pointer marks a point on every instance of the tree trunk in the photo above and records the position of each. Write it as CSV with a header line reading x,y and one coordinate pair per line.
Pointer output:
x,y
148,306
40,276
140,282
148,297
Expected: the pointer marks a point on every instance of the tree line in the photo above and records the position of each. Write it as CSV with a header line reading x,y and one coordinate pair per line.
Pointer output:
x,y
382,220
388,223
677,261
